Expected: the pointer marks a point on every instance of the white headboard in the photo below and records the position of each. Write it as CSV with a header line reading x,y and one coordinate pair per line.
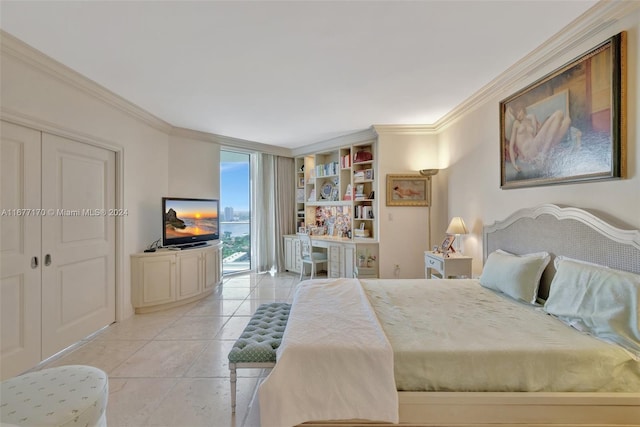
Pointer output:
x,y
566,231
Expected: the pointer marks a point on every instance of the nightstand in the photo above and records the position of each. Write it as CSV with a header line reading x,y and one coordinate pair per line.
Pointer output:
x,y
437,266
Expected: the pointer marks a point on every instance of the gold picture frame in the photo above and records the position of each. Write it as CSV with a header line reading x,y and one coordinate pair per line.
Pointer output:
x,y
408,190
569,126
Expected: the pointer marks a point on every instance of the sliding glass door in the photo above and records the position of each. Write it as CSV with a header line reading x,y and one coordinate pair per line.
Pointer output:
x,y
235,215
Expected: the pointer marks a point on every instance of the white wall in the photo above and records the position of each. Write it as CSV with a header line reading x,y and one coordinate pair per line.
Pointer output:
x,y
472,147
193,168
404,234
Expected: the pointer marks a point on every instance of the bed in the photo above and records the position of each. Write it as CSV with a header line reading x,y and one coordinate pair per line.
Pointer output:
x,y
502,354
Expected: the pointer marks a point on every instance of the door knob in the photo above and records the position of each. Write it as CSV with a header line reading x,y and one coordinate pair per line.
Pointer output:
x,y
34,262
47,260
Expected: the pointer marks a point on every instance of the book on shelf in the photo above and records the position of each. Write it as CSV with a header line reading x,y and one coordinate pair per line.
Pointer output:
x,y
345,161
312,195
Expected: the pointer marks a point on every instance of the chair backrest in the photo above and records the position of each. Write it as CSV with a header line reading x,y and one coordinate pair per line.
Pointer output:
x,y
305,245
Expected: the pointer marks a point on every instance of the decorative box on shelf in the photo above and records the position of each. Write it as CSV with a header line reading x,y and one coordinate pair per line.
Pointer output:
x,y
357,232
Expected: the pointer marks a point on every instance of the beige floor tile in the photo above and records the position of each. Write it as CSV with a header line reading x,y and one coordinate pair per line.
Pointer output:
x,y
133,400
103,354
233,328
138,327
276,293
233,293
214,362
193,328
215,307
248,307
159,359
205,402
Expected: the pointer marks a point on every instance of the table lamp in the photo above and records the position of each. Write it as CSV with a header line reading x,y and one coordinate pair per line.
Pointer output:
x,y
457,227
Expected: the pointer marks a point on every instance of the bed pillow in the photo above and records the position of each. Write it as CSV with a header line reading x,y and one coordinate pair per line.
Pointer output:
x,y
515,275
560,258
600,300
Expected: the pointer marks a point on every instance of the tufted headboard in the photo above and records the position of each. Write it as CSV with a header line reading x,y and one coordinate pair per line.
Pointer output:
x,y
566,231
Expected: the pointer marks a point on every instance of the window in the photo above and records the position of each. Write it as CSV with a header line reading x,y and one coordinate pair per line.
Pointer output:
x,y
235,213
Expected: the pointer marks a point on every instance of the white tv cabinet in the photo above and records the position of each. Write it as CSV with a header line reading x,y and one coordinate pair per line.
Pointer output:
x,y
167,278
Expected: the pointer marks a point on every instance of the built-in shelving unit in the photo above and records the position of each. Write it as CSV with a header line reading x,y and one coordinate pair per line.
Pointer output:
x,y
336,192
336,197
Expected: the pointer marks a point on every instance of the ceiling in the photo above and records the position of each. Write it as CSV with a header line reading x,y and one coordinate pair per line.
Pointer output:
x,y
290,73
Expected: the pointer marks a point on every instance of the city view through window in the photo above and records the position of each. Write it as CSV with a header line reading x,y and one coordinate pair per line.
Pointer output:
x,y
235,214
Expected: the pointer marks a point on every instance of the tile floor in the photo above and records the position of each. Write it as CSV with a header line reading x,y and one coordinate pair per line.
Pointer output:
x,y
170,368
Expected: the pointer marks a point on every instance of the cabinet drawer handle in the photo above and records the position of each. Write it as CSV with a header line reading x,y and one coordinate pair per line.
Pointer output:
x,y
34,262
47,260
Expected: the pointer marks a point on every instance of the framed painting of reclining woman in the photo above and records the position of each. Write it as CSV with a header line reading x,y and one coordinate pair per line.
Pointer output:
x,y
569,126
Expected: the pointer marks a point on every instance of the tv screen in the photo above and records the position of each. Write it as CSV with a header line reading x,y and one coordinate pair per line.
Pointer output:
x,y
189,222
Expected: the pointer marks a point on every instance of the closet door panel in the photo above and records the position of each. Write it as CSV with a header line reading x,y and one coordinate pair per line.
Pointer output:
x,y
78,243
20,297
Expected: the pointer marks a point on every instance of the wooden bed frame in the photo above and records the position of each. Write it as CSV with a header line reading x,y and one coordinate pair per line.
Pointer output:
x,y
566,231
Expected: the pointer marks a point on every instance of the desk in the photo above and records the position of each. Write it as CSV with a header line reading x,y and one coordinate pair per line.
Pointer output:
x,y
341,252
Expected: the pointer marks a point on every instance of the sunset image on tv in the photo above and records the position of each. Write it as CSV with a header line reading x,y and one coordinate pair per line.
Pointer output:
x,y
186,218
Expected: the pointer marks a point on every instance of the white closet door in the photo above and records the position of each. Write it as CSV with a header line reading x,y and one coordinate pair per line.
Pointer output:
x,y
19,247
78,242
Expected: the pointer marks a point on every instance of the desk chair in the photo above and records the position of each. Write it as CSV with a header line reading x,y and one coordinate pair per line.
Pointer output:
x,y
308,256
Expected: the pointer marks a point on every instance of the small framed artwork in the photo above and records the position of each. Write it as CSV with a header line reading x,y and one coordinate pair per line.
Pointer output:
x,y
447,244
570,125
368,174
408,190
301,182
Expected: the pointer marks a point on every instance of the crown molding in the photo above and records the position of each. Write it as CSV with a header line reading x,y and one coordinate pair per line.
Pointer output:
x,y
405,129
18,49
365,135
594,21
229,141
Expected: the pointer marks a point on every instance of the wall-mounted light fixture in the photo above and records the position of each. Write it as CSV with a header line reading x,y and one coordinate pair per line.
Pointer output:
x,y
428,172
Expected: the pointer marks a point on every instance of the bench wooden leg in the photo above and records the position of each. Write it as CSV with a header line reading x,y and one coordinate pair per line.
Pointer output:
x,y
232,368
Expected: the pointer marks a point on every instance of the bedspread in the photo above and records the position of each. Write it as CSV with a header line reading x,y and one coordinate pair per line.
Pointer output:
x,y
334,362
455,335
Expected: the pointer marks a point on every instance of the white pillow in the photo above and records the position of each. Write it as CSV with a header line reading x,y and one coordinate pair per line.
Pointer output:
x,y
599,300
515,275
559,258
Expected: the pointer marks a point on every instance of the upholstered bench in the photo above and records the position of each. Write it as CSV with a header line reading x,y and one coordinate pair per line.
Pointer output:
x,y
256,347
65,396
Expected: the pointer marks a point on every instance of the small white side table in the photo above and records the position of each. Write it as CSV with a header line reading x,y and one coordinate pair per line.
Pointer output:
x,y
437,266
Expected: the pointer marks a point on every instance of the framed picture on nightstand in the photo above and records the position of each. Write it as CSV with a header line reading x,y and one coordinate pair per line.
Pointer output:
x,y
447,244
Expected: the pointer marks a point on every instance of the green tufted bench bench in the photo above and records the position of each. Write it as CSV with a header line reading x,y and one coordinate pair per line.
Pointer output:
x,y
256,347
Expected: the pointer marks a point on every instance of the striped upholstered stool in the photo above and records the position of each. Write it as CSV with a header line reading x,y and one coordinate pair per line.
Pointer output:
x,y
67,396
256,347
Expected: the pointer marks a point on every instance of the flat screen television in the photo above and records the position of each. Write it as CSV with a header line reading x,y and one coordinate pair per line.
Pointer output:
x,y
189,222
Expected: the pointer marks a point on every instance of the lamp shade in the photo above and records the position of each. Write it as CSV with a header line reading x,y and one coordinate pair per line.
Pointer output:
x,y
456,226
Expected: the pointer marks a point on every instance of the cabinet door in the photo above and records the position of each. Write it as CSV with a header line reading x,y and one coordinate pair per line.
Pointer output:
x,y
211,267
334,253
289,258
297,268
348,260
20,254
79,268
190,273
155,281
